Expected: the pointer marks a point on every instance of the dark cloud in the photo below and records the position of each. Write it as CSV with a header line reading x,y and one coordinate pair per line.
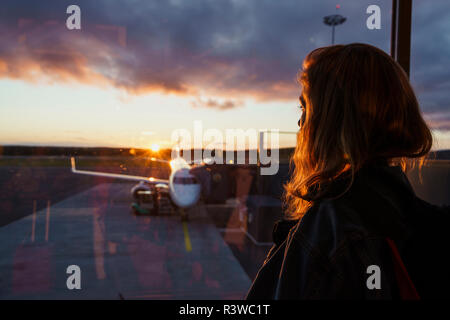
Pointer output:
x,y
430,60
252,47
226,49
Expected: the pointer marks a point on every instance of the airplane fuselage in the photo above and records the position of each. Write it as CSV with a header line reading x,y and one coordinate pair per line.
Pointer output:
x,y
184,187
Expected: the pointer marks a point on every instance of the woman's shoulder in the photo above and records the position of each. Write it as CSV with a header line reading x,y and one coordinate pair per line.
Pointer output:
x,y
375,206
329,225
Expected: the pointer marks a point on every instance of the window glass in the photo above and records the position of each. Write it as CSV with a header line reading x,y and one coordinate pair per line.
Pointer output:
x,y
430,76
430,58
108,83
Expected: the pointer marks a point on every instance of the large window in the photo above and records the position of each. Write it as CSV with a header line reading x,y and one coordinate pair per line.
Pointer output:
x,y
430,58
430,76
108,82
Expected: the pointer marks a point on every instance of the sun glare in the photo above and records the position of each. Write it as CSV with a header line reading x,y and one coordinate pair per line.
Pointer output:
x,y
155,147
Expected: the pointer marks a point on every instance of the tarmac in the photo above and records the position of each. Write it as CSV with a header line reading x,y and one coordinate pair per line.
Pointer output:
x,y
119,255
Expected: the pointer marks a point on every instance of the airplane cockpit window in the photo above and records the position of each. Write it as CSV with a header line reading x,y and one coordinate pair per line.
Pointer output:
x,y
100,97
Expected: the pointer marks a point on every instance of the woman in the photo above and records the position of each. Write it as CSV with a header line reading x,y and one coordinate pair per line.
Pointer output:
x,y
353,222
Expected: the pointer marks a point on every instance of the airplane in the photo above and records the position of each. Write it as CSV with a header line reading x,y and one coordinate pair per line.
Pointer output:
x,y
182,188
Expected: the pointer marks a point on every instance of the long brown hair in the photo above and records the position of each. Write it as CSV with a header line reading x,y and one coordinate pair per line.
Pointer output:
x,y
359,107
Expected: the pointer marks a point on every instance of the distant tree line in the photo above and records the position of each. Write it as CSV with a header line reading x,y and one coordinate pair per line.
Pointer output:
x,y
77,151
104,151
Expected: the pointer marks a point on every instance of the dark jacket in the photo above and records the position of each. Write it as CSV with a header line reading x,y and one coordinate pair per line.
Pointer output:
x,y
327,253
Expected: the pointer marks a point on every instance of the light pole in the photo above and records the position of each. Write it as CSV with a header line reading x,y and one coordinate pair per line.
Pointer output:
x,y
334,20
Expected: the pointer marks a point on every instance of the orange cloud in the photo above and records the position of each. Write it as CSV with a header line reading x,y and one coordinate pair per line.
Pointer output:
x,y
50,53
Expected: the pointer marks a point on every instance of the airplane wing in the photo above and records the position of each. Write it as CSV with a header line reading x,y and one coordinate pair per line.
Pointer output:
x,y
116,175
159,160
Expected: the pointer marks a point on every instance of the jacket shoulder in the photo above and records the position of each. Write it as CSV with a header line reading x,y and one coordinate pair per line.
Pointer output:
x,y
329,224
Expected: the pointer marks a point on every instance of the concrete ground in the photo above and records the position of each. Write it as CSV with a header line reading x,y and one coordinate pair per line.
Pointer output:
x,y
51,219
119,255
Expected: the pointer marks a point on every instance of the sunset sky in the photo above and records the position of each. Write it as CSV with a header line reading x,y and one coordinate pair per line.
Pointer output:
x,y
139,69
